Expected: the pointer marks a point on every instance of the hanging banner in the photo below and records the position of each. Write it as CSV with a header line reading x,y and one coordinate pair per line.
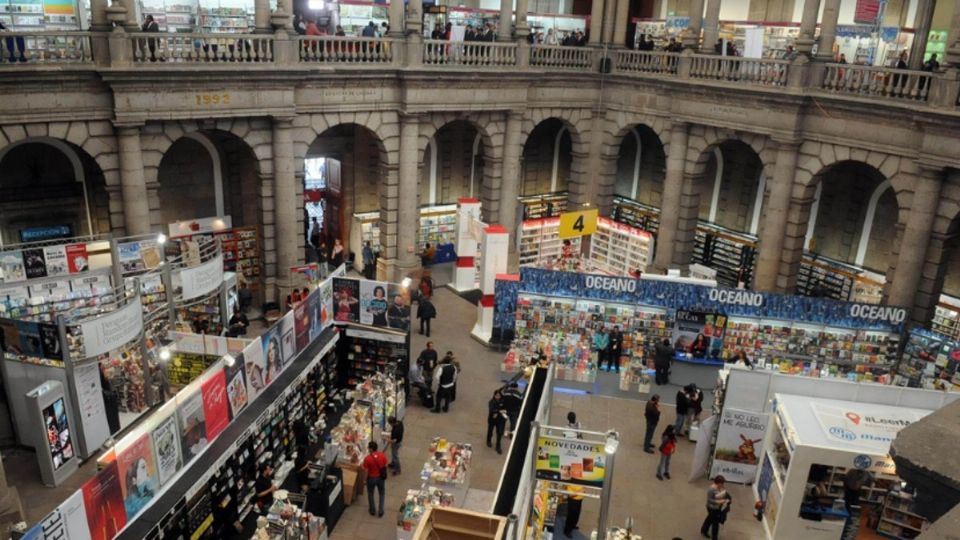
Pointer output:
x,y
35,266
93,415
373,303
66,522
137,469
193,430
577,224
288,340
216,412
11,267
272,355
103,503
255,368
236,385
346,298
398,314
203,279
863,424
573,461
77,260
113,330
166,445
739,437
866,11
301,323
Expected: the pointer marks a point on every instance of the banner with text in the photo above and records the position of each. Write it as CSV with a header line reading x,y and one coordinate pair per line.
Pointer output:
x,y
739,438
113,330
573,461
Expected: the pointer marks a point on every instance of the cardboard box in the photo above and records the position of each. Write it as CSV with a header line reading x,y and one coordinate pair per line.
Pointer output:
x,y
349,486
354,479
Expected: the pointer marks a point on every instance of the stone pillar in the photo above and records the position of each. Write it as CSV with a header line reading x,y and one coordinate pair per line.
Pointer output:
x,y
672,195
522,29
261,16
99,25
609,17
596,22
510,172
131,24
98,16
396,18
408,214
808,26
711,27
902,290
692,36
828,30
284,200
505,27
953,37
133,185
775,214
414,17
620,23
921,27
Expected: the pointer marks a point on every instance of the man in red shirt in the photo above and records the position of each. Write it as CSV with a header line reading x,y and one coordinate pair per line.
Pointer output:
x,y
376,466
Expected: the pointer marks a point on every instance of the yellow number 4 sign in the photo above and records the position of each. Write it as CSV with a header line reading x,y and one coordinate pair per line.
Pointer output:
x,y
582,223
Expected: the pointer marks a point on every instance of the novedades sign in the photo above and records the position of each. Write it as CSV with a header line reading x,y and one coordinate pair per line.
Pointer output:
x,y
572,461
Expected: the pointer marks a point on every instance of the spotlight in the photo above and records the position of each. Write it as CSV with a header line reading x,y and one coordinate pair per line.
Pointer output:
x,y
613,442
161,239
406,282
165,354
229,360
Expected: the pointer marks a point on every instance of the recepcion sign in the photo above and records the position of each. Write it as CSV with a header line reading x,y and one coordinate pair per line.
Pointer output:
x,y
573,461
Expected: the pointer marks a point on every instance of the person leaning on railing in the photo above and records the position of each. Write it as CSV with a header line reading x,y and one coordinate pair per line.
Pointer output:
x,y
21,46
150,26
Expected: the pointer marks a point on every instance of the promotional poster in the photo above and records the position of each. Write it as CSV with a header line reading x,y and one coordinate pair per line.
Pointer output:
x,y
30,344
739,441
398,314
573,461
373,303
696,331
346,293
323,313
216,411
103,502
236,385
272,355
138,475
301,323
50,341
193,429
34,264
11,267
56,257
167,448
58,433
77,258
255,368
288,340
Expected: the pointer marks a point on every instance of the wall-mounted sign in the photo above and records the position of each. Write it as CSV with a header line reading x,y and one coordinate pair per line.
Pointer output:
x,y
113,330
202,280
574,461
38,234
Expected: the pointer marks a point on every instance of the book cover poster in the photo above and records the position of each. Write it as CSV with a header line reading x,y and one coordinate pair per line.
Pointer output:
x,y
11,267
255,368
315,313
129,255
167,448
216,411
236,385
398,314
288,340
103,503
9,337
34,264
77,258
272,354
56,257
373,303
30,339
50,341
301,323
138,473
193,429
346,294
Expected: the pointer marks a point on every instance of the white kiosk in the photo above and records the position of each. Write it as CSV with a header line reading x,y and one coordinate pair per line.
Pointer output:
x,y
814,442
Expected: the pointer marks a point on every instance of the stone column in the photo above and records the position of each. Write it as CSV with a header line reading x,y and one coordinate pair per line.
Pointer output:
x,y
808,26
775,214
953,37
99,25
414,17
505,27
596,22
672,195
916,237
98,16
609,17
510,172
133,185
261,16
284,200
620,23
828,30
921,27
711,27
408,214
692,36
522,29
396,18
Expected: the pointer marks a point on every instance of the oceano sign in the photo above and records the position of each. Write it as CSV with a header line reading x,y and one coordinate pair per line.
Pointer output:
x,y
894,315
617,284
737,297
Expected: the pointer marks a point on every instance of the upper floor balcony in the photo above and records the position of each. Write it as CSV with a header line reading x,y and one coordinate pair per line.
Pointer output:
x,y
119,49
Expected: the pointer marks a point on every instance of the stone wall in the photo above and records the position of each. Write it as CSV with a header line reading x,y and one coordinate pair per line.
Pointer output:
x,y
186,177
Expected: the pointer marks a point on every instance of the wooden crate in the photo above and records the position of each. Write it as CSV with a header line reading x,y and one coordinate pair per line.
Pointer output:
x,y
445,523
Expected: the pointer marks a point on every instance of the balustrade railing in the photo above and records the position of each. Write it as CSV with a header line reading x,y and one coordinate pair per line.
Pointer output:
x,y
469,53
877,82
556,57
647,62
346,50
763,71
201,48
45,48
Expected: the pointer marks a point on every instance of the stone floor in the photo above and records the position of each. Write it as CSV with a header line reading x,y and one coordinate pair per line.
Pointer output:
x,y
662,510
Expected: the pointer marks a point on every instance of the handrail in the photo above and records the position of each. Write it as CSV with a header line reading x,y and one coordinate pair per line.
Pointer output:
x,y
647,62
880,82
201,48
561,57
346,50
20,47
473,54
764,71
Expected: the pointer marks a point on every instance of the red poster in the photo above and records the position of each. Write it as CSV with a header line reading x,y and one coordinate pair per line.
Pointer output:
x,y
103,503
215,408
77,258
866,11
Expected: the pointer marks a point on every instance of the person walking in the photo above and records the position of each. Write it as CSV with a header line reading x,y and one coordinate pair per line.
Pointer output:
x,y
718,501
369,261
336,254
428,360
695,396
375,464
445,378
668,445
683,407
574,504
615,348
662,356
426,285
652,414
496,418
600,343
425,311
513,401
396,439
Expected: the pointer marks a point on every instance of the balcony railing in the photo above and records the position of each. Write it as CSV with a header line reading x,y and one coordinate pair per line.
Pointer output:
x,y
764,71
469,53
877,82
550,56
346,50
647,62
201,48
45,48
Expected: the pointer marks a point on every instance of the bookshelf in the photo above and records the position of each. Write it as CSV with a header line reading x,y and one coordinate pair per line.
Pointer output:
x,y
540,241
732,254
619,249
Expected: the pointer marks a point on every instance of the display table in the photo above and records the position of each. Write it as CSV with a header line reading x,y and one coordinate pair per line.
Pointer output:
x,y
617,533
569,352
354,432
286,520
384,394
448,468
415,505
636,374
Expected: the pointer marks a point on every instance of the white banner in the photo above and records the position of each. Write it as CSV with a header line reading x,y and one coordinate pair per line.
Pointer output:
x,y
113,330
202,280
862,424
701,452
739,441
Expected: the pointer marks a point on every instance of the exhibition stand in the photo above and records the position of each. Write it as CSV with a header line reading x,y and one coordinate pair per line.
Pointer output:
x,y
495,243
240,247
469,243
437,226
615,248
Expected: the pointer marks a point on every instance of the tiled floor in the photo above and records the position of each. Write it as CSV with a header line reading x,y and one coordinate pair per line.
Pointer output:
x,y
662,510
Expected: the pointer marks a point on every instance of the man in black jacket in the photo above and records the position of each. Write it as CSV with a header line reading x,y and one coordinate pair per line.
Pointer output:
x,y
428,361
662,356
446,377
396,439
615,348
513,401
